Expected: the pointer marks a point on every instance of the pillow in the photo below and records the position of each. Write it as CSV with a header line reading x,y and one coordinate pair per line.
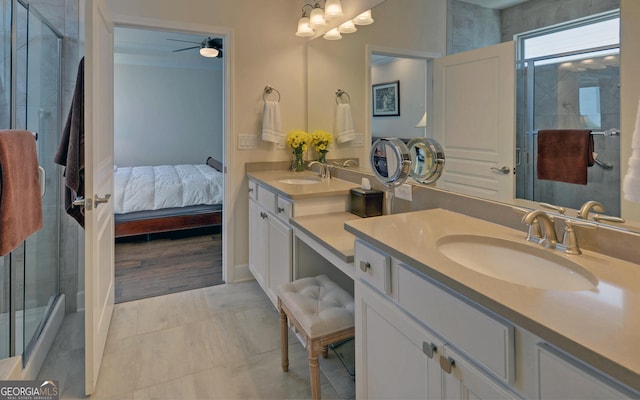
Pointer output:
x,y
215,164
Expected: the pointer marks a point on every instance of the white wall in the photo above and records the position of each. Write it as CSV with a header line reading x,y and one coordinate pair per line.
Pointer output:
x,y
167,115
412,74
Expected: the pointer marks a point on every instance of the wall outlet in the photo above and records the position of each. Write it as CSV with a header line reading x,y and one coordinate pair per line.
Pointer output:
x,y
403,192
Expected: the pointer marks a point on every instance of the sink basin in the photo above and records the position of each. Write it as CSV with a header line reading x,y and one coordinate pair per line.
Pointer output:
x,y
306,180
517,263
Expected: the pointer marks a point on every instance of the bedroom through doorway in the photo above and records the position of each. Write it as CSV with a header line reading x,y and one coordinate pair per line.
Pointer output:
x,y
168,156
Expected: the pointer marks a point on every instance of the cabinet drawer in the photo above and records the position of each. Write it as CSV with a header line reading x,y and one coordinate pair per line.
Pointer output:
x,y
486,339
253,190
267,198
284,208
373,267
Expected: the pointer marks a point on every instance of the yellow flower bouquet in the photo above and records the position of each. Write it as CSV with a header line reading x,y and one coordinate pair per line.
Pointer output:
x,y
298,141
321,140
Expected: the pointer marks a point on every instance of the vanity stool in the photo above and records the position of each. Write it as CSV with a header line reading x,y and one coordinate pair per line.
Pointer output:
x,y
322,312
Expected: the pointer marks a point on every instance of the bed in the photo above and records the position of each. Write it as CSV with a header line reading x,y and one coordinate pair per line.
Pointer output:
x,y
164,198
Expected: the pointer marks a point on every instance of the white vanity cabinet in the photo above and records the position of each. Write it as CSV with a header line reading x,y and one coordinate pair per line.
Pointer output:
x,y
271,234
270,239
416,338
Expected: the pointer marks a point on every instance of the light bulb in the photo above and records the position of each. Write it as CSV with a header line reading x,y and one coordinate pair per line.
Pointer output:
x,y
332,9
316,19
303,27
209,52
333,34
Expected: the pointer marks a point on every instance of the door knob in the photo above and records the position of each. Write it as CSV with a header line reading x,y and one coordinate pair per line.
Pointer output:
x,y
504,170
99,200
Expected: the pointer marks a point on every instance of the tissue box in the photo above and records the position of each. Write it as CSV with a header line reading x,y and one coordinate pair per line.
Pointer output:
x,y
366,203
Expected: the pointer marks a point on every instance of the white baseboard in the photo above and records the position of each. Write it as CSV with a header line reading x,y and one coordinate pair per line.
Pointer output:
x,y
80,301
241,273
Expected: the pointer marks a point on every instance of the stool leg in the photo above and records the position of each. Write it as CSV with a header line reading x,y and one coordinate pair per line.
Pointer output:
x,y
325,351
284,339
314,370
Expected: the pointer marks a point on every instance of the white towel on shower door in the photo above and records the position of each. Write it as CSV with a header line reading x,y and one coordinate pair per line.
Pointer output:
x,y
271,124
344,124
631,184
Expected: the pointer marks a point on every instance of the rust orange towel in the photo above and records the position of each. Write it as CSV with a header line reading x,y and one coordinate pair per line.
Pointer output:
x,y
20,201
564,155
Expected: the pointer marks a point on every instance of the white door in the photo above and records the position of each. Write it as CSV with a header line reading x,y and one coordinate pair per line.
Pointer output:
x,y
474,120
99,240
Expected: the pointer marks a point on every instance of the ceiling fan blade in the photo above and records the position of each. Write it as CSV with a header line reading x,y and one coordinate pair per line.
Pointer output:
x,y
186,48
184,41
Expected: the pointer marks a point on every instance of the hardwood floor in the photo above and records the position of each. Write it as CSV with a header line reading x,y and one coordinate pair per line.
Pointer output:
x,y
169,263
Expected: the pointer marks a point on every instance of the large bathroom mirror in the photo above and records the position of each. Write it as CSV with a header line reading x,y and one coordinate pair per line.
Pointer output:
x,y
426,29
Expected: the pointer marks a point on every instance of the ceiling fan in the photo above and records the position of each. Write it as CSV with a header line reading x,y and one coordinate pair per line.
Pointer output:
x,y
209,47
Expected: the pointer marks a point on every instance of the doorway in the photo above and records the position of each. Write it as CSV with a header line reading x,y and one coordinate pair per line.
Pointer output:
x,y
168,115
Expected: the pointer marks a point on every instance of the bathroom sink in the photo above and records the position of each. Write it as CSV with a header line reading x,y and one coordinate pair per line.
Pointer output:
x,y
306,180
517,263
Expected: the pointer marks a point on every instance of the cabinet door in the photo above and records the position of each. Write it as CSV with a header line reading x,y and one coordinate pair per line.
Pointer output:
x,y
279,256
258,242
560,377
396,358
463,380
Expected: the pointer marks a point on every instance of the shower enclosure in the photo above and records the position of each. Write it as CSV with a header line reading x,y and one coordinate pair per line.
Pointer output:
x,y
30,79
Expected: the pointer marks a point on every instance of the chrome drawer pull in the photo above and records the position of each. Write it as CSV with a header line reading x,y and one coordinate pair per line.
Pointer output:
x,y
447,364
364,266
429,348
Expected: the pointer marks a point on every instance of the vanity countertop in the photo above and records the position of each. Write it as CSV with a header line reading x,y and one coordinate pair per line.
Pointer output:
x,y
328,229
326,187
600,326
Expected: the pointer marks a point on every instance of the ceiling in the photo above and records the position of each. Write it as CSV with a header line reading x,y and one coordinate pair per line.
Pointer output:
x,y
153,47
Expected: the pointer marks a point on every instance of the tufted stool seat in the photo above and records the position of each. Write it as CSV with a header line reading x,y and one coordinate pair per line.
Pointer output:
x,y
322,312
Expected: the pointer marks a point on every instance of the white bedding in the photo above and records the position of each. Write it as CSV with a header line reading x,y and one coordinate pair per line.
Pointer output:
x,y
165,186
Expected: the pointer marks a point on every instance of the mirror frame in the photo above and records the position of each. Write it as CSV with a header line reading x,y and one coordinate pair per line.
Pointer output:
x,y
401,152
434,150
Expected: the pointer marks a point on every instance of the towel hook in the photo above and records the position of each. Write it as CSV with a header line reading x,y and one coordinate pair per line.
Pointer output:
x,y
268,90
339,94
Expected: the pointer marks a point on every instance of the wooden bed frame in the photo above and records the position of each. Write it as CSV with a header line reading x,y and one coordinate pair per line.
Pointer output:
x,y
168,223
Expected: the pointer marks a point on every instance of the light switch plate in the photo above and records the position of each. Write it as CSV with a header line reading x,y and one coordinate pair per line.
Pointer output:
x,y
247,141
403,192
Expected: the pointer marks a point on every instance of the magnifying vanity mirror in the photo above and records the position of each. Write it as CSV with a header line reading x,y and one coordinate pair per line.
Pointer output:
x,y
427,160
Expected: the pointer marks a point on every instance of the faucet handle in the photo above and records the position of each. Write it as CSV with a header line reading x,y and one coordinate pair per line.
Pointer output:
x,y
569,239
561,210
608,218
535,232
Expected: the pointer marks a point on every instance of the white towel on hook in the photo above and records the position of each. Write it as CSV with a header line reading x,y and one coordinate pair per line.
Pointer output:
x,y
344,123
271,124
631,185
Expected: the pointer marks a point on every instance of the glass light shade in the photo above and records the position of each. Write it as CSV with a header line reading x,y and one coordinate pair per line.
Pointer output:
x,y
333,34
423,121
209,52
347,27
332,9
364,18
303,27
316,19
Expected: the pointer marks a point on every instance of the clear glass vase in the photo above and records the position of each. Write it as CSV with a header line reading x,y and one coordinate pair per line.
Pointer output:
x,y
298,163
322,157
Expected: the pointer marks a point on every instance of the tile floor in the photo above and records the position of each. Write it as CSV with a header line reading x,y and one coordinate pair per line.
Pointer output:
x,y
219,342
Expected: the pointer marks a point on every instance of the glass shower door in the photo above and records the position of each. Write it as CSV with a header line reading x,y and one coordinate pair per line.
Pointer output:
x,y
41,113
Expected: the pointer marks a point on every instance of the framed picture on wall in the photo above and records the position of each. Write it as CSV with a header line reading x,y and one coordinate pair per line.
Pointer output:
x,y
386,99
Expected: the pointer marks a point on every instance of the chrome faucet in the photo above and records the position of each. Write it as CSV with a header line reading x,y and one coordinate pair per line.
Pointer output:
x,y
549,237
589,206
570,240
347,163
325,171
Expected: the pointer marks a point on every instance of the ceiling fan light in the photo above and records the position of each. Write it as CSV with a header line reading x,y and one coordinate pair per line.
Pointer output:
x,y
333,34
333,9
303,27
316,19
347,27
364,18
209,52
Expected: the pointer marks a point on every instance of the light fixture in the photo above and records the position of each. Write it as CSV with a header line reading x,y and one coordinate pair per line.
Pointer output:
x,y
332,9
364,18
333,34
316,19
347,27
423,121
211,47
303,24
